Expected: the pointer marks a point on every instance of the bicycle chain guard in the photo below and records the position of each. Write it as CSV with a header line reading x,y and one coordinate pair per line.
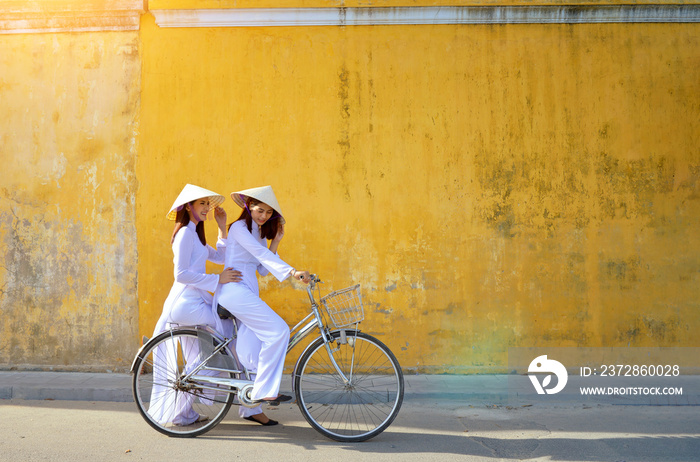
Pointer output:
x,y
245,396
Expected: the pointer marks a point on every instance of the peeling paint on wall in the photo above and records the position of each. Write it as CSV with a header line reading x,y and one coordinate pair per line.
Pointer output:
x,y
67,222
489,186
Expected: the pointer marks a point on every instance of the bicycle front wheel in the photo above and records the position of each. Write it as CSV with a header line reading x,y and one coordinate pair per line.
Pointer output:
x,y
168,403
354,411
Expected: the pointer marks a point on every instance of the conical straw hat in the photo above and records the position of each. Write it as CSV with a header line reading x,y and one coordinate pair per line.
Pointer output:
x,y
263,194
191,193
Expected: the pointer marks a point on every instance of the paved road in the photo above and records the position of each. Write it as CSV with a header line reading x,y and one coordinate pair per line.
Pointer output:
x,y
424,431
90,417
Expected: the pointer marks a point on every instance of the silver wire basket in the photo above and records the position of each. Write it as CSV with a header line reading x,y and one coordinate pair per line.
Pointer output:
x,y
344,307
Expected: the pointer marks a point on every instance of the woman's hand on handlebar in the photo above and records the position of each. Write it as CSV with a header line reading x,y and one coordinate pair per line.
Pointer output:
x,y
303,276
230,275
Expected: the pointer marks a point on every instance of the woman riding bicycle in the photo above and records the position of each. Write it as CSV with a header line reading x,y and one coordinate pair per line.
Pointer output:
x,y
264,335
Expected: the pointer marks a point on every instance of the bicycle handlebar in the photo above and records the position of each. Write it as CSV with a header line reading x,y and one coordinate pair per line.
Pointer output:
x,y
312,285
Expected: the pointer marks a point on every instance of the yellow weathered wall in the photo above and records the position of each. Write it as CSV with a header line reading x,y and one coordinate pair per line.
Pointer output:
x,y
68,124
489,186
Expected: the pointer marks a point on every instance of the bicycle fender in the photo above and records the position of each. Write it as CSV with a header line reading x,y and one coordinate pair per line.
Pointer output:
x,y
334,333
138,355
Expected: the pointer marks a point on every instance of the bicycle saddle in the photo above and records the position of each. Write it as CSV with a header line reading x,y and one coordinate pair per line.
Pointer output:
x,y
224,313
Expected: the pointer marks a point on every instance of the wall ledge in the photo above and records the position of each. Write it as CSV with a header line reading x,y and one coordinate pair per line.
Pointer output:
x,y
27,17
365,16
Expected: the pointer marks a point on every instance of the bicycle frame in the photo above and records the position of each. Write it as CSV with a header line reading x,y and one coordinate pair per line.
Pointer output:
x,y
312,321
348,384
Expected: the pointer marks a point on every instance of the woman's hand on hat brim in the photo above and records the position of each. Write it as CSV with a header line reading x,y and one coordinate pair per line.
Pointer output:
x,y
220,215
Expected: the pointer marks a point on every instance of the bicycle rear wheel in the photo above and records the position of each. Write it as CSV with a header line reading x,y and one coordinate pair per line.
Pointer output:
x,y
169,404
364,407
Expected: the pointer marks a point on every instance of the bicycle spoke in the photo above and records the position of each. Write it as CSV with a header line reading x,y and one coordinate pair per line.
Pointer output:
x,y
356,410
167,402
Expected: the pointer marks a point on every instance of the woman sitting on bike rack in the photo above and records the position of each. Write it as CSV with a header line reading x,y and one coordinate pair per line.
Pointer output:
x,y
264,335
189,302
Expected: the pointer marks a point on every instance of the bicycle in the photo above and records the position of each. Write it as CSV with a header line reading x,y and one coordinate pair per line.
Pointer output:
x,y
348,385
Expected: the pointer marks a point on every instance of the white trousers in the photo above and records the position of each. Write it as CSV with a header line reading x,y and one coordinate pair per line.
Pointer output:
x,y
192,310
185,308
166,404
248,352
267,327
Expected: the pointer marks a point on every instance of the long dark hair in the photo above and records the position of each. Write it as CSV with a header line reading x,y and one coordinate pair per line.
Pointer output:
x,y
183,219
269,229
